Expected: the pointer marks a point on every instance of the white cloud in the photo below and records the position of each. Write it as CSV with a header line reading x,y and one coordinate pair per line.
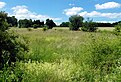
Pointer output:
x,y
91,14
111,15
77,11
22,12
108,5
2,4
99,14
72,11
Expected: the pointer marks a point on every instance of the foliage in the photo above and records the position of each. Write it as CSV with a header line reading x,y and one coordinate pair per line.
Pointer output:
x,y
116,23
29,29
105,54
38,23
3,23
12,21
117,29
25,23
99,24
64,24
75,22
89,26
35,26
67,56
44,28
50,24
12,74
12,48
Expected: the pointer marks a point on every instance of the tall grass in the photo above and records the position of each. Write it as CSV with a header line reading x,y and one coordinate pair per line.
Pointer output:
x,y
64,56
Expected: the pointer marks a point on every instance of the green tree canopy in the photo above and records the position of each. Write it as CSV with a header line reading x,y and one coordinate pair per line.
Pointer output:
x,y
38,23
12,21
64,24
75,22
3,21
50,24
25,23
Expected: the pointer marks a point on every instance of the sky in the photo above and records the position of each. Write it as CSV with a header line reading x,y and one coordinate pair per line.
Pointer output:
x,y
61,10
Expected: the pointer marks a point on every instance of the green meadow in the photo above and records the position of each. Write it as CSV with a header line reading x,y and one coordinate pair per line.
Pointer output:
x,y
61,55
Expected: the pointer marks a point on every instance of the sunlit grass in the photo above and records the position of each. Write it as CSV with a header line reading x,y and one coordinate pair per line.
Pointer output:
x,y
60,55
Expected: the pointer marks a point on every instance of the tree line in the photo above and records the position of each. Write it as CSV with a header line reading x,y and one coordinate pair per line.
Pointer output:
x,y
25,23
99,24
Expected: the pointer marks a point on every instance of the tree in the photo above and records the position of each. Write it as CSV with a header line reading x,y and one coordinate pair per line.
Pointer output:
x,y
12,21
89,26
50,24
64,24
104,24
11,47
42,23
116,23
3,23
75,22
38,23
25,23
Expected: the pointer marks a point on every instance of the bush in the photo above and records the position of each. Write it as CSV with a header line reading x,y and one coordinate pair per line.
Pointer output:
x,y
89,26
44,28
117,29
12,47
8,74
29,29
105,54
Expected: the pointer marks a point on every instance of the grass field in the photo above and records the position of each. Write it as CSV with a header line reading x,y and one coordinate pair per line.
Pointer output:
x,y
69,56
99,28
106,28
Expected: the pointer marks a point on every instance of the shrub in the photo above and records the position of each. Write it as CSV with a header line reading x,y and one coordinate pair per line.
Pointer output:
x,y
105,54
44,28
117,29
29,29
12,47
89,26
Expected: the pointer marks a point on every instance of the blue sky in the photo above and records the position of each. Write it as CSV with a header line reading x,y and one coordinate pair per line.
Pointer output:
x,y
61,10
